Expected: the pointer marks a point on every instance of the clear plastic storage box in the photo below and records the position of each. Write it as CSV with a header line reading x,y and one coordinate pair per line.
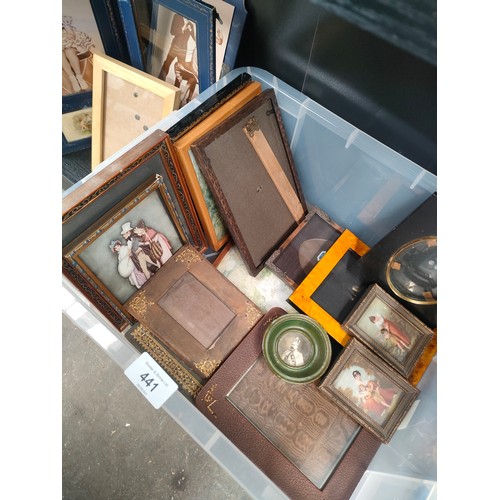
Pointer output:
x,y
362,185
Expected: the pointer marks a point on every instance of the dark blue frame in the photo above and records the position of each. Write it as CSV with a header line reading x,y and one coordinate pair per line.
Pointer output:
x,y
233,42
204,16
131,33
129,22
112,36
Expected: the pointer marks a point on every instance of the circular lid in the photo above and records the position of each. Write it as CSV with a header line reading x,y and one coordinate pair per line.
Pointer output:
x,y
412,271
297,348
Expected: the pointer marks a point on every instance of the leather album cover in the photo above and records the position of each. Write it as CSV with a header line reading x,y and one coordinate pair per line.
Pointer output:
x,y
248,165
194,310
308,446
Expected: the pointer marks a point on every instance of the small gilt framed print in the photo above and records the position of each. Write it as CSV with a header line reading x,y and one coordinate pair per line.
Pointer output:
x,y
390,330
367,388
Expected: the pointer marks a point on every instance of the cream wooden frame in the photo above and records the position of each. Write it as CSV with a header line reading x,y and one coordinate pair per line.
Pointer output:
x,y
129,112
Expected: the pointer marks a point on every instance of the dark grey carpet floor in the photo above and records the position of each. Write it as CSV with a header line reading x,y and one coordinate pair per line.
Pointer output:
x,y
75,166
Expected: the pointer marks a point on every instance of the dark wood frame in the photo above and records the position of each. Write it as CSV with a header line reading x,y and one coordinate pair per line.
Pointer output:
x,y
99,286
83,205
244,214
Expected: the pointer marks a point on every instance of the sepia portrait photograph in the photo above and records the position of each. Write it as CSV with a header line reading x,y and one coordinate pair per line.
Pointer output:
x,y
80,35
182,49
294,348
174,57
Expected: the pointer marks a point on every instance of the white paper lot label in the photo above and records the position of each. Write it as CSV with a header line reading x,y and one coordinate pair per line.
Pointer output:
x,y
150,378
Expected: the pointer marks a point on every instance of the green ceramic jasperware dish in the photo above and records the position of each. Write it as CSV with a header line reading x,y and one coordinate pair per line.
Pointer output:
x,y
297,348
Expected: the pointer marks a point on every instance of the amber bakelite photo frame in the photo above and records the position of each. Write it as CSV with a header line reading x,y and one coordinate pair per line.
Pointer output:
x,y
211,220
249,168
369,390
389,329
311,296
125,103
119,253
305,247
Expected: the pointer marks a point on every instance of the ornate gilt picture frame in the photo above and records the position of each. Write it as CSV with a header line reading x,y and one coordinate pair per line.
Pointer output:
x,y
367,388
128,245
191,308
389,329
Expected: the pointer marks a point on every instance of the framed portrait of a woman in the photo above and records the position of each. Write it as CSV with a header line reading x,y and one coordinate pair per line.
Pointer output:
x,y
389,329
369,390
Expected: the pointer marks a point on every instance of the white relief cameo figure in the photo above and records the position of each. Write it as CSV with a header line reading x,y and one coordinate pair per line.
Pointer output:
x,y
293,356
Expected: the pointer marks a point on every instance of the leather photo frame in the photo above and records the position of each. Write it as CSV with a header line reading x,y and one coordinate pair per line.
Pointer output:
x,y
194,310
304,248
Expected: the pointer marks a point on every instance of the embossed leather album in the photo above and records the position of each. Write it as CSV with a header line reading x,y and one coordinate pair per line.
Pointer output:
x,y
248,165
194,310
298,437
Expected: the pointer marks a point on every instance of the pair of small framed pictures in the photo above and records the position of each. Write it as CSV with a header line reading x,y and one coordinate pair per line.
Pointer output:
x,y
369,380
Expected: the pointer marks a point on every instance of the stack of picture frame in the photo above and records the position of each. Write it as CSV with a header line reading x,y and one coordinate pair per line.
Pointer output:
x,y
87,25
139,35
135,233
220,23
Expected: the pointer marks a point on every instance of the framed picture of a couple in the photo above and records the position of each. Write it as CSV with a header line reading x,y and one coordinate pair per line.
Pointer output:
x,y
367,388
128,245
389,329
